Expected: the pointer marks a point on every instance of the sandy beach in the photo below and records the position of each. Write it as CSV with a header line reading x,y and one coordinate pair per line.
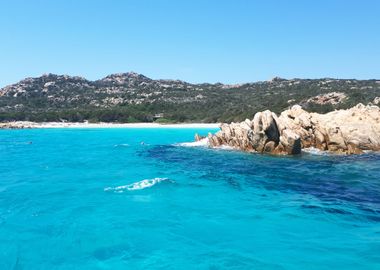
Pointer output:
x,y
26,124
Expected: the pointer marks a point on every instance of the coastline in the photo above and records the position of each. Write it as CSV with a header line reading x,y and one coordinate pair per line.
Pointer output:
x,y
35,125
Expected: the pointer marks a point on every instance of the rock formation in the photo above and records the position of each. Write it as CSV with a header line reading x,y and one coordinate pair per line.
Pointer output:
x,y
332,98
17,125
344,131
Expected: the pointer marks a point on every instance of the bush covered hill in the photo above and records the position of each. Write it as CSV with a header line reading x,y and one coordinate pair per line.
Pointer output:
x,y
132,97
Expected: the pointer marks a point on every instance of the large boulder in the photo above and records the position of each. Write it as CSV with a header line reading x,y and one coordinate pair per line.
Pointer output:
x,y
345,131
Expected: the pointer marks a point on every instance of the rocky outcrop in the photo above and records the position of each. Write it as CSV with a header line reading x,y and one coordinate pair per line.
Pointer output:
x,y
17,125
344,131
197,137
332,98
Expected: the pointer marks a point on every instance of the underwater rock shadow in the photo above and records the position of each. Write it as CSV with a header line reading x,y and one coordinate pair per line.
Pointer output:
x,y
325,178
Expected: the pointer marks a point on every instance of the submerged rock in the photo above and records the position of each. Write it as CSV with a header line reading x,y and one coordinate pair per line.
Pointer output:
x,y
348,131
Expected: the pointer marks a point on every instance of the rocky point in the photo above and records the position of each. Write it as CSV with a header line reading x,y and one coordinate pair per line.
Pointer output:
x,y
350,131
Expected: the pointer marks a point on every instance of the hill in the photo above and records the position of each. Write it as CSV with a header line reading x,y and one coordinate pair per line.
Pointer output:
x,y
133,97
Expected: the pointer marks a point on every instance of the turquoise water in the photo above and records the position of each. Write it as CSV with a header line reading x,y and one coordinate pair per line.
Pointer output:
x,y
73,199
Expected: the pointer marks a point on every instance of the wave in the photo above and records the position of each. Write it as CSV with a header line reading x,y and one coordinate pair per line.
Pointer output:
x,y
146,183
121,145
224,147
204,143
201,143
315,151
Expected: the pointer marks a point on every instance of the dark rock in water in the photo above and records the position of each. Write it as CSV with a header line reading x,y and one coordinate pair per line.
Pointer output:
x,y
344,132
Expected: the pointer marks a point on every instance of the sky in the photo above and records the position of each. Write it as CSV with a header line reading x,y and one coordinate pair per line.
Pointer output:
x,y
193,40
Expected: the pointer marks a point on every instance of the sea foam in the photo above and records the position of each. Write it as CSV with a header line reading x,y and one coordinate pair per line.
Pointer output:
x,y
201,143
204,143
146,183
315,151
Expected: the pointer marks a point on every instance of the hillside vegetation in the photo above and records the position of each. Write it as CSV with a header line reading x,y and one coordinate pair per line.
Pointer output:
x,y
132,97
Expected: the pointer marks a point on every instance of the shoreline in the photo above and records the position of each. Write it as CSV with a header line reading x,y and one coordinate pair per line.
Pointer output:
x,y
48,125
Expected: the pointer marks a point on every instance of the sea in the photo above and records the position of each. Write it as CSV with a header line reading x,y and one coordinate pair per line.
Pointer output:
x,y
148,198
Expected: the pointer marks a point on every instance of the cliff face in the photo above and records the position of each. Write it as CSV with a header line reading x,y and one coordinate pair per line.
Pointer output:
x,y
344,131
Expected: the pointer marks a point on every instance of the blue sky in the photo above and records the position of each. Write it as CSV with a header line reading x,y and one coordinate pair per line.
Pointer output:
x,y
197,41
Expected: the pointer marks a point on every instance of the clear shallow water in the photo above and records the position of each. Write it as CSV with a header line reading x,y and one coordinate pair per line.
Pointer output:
x,y
75,199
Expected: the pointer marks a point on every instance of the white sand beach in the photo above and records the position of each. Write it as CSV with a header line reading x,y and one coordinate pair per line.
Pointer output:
x,y
26,124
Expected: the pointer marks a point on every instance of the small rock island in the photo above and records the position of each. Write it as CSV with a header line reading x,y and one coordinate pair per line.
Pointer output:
x,y
350,131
